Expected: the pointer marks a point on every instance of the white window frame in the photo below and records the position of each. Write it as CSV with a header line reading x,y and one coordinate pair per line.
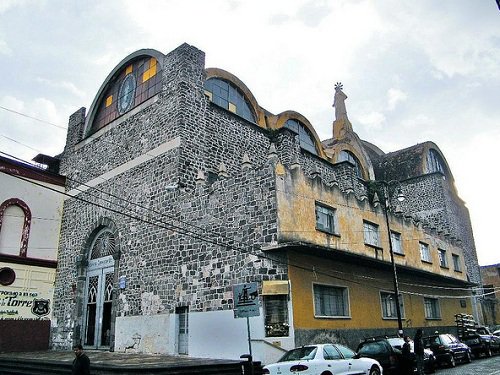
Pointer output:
x,y
425,253
387,301
371,233
432,308
457,266
397,245
345,297
443,258
330,214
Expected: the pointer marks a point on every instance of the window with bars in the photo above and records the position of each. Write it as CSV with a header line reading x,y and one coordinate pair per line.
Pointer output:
x,y
456,262
326,219
330,301
276,315
397,246
432,310
442,258
371,234
389,305
425,254
434,162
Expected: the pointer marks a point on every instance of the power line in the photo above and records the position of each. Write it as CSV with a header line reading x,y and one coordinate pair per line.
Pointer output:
x,y
33,118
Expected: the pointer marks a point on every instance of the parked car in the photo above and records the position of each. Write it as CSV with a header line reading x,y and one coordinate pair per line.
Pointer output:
x,y
387,351
482,342
380,349
429,357
448,349
497,332
323,359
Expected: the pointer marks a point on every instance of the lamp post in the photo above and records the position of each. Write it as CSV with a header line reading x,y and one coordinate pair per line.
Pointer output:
x,y
386,198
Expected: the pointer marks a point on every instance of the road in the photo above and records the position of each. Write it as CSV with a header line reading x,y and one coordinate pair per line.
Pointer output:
x,y
481,366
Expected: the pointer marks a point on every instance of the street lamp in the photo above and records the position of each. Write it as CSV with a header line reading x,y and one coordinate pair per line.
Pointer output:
x,y
400,197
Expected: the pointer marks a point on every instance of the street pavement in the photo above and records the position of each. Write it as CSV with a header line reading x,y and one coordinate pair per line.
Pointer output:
x,y
480,366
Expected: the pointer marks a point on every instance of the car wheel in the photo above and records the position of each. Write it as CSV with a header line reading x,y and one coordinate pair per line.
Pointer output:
x,y
326,373
374,371
488,352
452,361
468,358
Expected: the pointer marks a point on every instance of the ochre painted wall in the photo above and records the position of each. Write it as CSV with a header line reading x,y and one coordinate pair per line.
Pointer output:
x,y
364,287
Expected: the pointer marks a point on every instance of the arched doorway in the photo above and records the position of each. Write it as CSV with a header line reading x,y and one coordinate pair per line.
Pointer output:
x,y
99,291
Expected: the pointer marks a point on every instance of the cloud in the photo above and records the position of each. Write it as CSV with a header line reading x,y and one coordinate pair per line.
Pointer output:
x,y
371,121
4,48
394,96
68,86
6,5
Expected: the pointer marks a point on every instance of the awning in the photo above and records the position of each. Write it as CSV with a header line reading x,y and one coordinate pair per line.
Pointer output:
x,y
274,287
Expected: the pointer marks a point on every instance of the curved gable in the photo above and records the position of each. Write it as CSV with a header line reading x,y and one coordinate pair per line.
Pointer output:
x,y
284,117
134,80
256,112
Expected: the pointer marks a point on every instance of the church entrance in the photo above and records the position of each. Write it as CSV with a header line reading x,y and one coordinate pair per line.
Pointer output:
x,y
99,292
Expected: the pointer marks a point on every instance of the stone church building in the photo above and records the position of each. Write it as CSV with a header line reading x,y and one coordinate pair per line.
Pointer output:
x,y
182,186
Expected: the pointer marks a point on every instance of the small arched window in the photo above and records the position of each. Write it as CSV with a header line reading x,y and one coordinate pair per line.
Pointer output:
x,y
434,162
350,157
228,96
305,138
15,225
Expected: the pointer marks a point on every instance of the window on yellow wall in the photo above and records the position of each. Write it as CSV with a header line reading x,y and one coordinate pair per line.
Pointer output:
x,y
397,247
371,233
330,301
456,263
425,254
388,303
443,262
326,219
432,309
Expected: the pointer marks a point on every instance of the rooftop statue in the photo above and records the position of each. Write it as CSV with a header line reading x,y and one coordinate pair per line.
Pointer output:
x,y
339,102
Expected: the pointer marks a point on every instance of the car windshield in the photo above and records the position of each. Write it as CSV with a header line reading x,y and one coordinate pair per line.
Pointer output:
x,y
396,342
372,348
304,353
431,340
346,352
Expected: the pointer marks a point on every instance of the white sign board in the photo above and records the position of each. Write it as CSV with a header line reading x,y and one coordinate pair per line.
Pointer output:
x,y
246,300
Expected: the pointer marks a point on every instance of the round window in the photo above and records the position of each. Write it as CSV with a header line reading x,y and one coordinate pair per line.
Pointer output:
x,y
7,276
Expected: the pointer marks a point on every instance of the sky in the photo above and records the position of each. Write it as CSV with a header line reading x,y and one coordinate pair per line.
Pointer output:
x,y
413,71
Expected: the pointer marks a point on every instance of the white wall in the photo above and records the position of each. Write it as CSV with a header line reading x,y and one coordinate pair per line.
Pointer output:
x,y
46,210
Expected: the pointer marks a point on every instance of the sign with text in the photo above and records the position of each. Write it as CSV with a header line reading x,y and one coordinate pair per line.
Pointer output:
x,y
246,300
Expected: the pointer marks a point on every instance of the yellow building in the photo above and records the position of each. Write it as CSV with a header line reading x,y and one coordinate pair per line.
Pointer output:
x,y
491,285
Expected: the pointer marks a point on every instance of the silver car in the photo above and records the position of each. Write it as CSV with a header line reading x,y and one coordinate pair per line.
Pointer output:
x,y
323,359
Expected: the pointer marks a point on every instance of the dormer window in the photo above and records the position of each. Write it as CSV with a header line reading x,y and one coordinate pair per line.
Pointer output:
x,y
434,162
349,156
305,138
228,96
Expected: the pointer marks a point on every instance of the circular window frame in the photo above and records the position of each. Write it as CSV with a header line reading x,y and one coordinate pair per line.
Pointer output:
x,y
123,109
7,276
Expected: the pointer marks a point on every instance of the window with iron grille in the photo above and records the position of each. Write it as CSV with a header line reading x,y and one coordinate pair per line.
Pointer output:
x,y
432,310
330,301
389,305
276,315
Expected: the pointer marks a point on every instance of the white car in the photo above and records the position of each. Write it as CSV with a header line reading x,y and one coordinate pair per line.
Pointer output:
x,y
323,359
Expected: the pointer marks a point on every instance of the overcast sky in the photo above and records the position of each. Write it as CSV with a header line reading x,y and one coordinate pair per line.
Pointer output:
x,y
413,71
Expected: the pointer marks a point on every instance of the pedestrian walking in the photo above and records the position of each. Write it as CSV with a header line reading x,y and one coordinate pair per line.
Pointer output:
x,y
81,363
418,343
407,358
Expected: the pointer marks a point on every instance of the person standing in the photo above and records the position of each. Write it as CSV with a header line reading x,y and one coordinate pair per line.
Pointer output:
x,y
418,343
81,363
407,363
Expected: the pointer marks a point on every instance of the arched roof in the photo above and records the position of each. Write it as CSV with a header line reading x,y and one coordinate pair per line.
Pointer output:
x,y
224,75
409,162
97,99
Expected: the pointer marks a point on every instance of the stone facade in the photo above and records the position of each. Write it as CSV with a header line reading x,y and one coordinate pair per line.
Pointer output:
x,y
190,198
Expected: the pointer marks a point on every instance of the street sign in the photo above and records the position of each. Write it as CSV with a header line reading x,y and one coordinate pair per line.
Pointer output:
x,y
246,300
